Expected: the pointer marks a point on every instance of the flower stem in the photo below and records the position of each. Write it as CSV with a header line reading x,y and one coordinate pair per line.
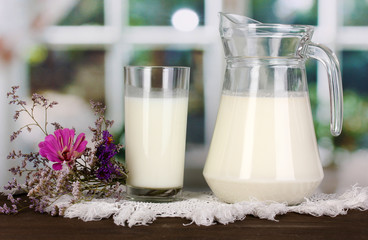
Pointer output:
x,y
34,120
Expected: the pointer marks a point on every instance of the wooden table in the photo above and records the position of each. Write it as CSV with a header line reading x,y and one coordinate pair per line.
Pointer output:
x,y
31,225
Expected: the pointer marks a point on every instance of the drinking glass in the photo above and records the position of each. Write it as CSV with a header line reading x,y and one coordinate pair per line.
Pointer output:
x,y
156,106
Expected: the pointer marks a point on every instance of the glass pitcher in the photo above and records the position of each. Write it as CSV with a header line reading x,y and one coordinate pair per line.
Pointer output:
x,y
264,145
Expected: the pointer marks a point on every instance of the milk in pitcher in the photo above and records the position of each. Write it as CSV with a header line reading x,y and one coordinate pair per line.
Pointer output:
x,y
272,147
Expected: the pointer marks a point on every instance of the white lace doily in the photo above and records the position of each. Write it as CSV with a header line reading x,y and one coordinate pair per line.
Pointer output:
x,y
206,209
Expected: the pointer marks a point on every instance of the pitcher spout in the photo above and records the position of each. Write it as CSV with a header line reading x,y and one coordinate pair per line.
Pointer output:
x,y
230,19
244,37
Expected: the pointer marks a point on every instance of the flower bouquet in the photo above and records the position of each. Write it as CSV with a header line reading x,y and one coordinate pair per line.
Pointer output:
x,y
63,165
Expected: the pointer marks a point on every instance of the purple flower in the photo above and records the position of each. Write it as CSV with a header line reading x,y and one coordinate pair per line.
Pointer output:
x,y
60,147
105,152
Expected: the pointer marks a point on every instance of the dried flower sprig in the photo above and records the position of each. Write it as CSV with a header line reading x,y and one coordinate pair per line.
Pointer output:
x,y
77,170
37,100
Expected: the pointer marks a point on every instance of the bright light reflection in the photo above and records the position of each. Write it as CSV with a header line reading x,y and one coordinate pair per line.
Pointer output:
x,y
185,20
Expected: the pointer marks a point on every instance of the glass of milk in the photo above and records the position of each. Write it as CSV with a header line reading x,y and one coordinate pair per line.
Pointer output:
x,y
156,106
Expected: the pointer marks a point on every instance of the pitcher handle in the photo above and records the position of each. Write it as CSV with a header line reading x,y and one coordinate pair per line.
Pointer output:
x,y
329,60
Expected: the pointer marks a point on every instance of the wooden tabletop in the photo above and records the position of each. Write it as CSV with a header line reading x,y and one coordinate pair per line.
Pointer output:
x,y
31,225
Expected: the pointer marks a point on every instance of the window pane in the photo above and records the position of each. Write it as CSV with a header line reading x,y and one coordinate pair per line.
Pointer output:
x,y
159,12
192,59
355,71
85,12
355,83
355,12
76,72
285,11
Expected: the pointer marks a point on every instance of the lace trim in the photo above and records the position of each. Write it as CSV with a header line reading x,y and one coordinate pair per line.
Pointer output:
x,y
205,209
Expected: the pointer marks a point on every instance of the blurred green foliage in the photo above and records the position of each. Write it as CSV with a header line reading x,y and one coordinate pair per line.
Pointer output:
x,y
85,12
159,12
37,55
355,127
354,133
355,12
267,12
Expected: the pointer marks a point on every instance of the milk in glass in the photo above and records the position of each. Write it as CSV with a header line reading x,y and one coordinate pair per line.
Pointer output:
x,y
155,141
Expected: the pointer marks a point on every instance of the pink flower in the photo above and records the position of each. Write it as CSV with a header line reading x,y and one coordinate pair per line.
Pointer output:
x,y
59,148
